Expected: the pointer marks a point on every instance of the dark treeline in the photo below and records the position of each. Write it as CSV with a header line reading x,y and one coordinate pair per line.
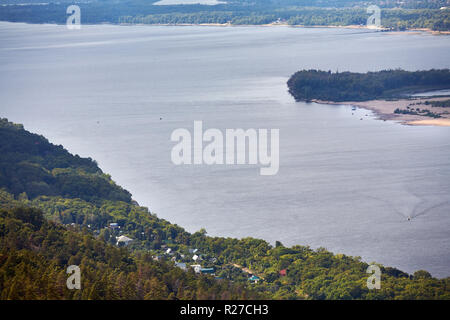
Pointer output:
x,y
392,19
41,234
442,104
410,4
401,16
30,164
306,85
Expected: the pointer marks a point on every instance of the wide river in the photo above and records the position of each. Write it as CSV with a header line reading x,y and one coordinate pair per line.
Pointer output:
x,y
116,93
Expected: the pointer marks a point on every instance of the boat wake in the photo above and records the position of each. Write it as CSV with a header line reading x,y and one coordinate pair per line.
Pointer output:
x,y
419,209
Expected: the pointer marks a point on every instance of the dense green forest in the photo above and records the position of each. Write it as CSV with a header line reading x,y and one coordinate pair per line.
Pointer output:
x,y
44,230
395,15
36,167
306,85
34,255
424,4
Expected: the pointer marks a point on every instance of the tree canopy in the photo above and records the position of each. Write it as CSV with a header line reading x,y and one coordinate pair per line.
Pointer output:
x,y
306,85
395,15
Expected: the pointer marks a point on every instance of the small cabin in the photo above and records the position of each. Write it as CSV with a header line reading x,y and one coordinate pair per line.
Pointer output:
x,y
123,240
207,271
196,267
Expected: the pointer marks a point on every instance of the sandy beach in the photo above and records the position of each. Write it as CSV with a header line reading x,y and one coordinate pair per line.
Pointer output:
x,y
384,109
431,122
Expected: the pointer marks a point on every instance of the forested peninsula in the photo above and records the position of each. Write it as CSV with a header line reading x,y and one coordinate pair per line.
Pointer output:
x,y
57,209
307,85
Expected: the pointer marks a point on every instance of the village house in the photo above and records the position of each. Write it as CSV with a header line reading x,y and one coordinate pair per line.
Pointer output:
x,y
114,225
123,240
210,271
196,257
196,267
254,279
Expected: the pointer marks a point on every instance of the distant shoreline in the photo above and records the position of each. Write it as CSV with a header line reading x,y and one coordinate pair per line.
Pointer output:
x,y
387,30
384,110
382,29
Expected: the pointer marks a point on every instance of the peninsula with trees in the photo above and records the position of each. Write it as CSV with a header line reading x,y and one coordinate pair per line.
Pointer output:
x,y
391,94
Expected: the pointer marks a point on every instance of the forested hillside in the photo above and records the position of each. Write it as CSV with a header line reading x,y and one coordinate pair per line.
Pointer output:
x,y
31,166
306,3
43,230
35,253
395,15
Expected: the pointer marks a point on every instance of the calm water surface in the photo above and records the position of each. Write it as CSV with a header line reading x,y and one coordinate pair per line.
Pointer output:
x,y
344,183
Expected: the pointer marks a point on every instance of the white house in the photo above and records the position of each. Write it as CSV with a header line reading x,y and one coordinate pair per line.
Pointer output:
x,y
124,240
196,267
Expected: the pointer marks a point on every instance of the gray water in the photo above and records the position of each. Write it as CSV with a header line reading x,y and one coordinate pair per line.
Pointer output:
x,y
344,184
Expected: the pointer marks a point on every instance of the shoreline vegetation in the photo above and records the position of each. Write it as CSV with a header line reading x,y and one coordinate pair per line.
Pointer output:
x,y
388,93
411,31
275,24
423,15
48,221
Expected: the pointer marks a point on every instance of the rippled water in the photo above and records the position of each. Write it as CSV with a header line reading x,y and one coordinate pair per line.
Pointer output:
x,y
344,183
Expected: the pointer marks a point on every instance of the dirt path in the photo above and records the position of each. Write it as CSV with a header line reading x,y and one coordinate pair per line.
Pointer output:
x,y
246,270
